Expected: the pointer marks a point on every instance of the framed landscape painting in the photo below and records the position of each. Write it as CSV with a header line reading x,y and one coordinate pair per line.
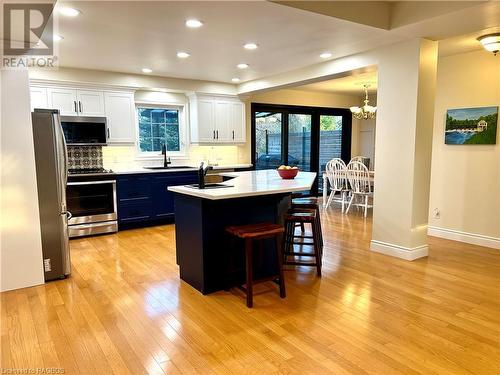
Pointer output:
x,y
471,126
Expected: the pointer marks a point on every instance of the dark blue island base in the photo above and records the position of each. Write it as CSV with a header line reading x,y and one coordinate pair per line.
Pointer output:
x,y
209,259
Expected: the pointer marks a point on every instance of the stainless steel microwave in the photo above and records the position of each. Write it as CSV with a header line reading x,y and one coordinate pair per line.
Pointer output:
x,y
85,130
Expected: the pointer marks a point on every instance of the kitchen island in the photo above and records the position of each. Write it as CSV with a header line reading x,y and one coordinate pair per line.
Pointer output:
x,y
208,259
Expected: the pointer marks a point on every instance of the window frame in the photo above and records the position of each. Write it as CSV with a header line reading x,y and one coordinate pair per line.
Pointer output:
x,y
315,113
154,155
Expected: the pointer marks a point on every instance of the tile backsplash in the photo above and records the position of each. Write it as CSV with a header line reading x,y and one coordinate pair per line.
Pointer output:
x,y
84,157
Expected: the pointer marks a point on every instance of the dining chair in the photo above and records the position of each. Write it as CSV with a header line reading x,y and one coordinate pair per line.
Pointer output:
x,y
336,175
359,181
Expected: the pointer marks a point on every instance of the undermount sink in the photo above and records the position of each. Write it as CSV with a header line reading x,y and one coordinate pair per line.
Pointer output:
x,y
210,186
171,167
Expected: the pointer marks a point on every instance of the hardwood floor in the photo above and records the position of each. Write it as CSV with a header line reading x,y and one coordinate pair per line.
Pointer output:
x,y
125,311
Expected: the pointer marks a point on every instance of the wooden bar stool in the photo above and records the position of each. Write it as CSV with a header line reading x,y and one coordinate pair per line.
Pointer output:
x,y
257,232
310,203
306,216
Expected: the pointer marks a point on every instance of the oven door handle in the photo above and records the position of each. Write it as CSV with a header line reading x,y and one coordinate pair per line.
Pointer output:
x,y
92,182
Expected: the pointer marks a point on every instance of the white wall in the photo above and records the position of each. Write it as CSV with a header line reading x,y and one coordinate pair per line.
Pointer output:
x,y
21,248
465,182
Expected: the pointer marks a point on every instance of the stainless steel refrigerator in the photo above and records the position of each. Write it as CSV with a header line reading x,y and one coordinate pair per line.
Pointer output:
x,y
52,175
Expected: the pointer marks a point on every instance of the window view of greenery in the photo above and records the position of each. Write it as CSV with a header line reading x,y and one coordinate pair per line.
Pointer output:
x,y
158,127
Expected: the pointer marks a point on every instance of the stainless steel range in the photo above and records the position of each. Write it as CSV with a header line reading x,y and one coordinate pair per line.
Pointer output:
x,y
91,200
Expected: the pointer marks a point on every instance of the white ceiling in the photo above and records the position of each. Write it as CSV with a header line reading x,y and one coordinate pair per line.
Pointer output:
x,y
351,85
125,36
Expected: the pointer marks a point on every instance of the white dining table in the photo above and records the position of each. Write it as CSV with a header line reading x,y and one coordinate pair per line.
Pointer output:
x,y
325,183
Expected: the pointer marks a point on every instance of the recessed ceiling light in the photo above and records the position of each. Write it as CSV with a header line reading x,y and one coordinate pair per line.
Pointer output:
x,y
250,46
235,80
57,38
69,12
147,70
325,55
182,55
194,23
242,66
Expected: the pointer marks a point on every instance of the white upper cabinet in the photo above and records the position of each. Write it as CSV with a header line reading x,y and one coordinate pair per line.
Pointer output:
x,y
223,121
38,97
117,106
120,114
217,119
238,117
90,103
205,121
63,99
76,102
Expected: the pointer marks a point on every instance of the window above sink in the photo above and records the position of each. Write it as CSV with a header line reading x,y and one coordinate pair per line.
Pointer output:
x,y
159,125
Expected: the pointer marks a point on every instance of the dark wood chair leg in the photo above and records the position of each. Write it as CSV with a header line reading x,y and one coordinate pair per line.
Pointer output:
x,y
249,266
318,218
279,254
316,248
290,227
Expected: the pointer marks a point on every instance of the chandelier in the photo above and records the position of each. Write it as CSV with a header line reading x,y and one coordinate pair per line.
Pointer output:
x,y
365,112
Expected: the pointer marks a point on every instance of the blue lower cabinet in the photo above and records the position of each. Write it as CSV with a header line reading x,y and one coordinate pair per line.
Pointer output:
x,y
143,199
164,199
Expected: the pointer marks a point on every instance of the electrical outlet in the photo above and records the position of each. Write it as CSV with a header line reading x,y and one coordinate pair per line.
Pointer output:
x,y
46,265
436,213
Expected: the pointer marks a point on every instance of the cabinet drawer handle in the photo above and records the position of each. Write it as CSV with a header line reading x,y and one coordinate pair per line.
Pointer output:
x,y
108,132
217,134
80,106
233,134
214,134
76,108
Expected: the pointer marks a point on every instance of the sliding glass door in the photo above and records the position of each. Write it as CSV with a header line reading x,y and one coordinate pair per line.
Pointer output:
x,y
306,137
299,140
330,143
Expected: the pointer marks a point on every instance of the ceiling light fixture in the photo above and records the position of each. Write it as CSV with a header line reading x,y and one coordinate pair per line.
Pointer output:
x,y
325,55
490,42
365,112
194,23
182,55
69,12
235,79
147,70
250,46
57,38
242,66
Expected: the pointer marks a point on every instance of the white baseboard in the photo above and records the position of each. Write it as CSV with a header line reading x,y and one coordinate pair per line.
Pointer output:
x,y
397,251
472,238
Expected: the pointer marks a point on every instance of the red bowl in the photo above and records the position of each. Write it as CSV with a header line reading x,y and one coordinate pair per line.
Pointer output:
x,y
288,174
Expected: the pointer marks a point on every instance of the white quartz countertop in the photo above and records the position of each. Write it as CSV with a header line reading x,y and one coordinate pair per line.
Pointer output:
x,y
139,169
251,183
